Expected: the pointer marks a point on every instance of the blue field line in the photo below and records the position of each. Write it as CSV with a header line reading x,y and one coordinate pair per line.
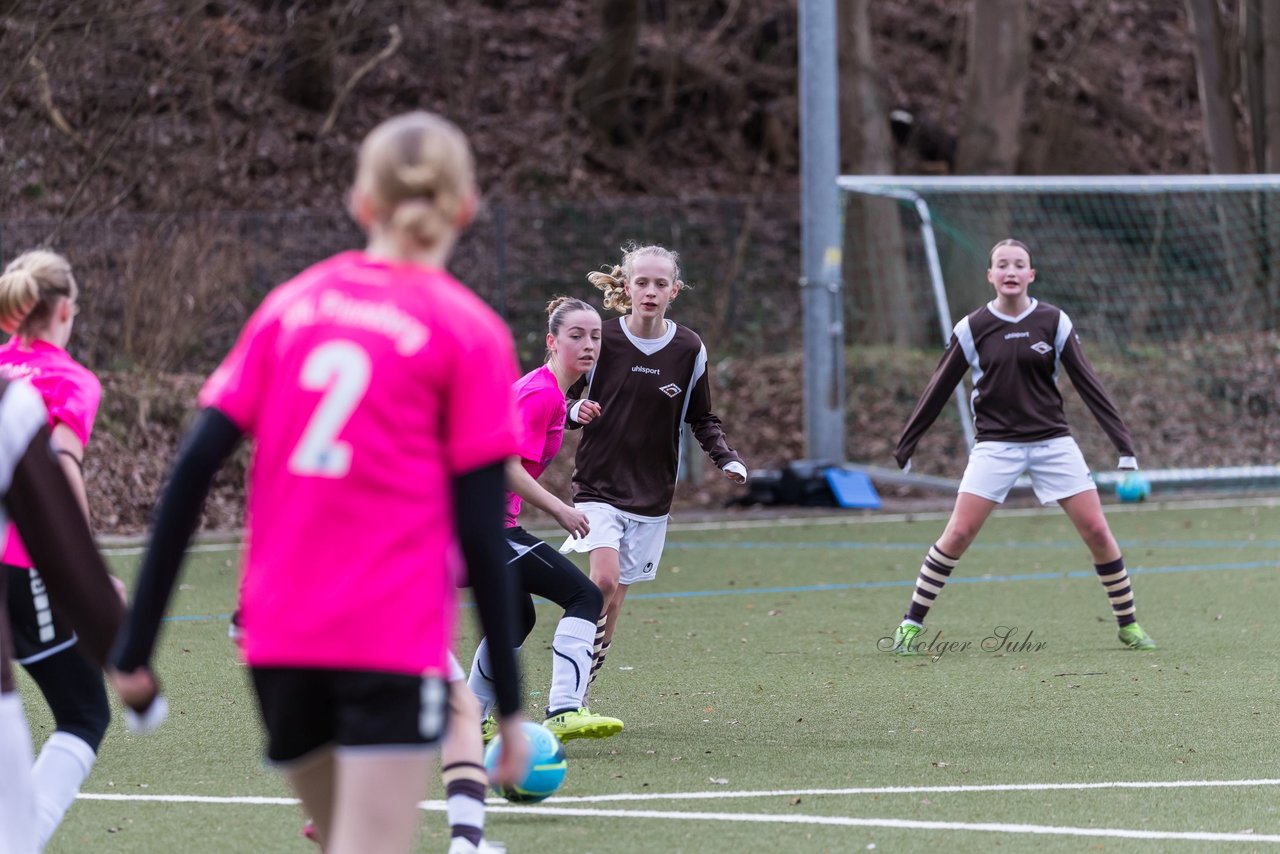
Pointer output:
x,y
876,585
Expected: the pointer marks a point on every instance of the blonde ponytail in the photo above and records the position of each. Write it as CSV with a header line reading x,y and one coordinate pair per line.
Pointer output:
x,y
614,282
614,286
418,173
19,294
30,287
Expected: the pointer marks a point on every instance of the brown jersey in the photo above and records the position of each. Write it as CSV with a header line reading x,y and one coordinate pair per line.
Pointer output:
x,y
1013,363
647,390
34,493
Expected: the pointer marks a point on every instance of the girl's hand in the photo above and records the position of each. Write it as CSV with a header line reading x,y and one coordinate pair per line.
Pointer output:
x,y
736,472
513,760
145,707
118,586
588,411
573,520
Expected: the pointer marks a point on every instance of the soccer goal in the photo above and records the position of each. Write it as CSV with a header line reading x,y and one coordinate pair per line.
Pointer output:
x,y
1173,284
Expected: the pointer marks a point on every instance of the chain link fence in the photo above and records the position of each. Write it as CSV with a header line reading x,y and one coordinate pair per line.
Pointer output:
x,y
169,291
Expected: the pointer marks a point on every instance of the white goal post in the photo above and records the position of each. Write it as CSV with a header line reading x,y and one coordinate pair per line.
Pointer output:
x,y
1174,281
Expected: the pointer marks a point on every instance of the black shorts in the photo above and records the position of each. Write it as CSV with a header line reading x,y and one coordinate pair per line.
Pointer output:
x,y
305,709
37,631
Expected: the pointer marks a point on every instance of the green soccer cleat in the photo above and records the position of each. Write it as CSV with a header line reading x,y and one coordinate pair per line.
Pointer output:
x,y
489,728
904,638
582,723
1134,637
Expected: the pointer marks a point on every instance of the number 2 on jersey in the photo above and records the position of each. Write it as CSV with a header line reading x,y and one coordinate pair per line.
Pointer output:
x,y
341,370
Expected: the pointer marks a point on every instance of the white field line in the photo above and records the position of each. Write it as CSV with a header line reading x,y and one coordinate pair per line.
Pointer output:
x,y
550,807
913,790
901,824
125,546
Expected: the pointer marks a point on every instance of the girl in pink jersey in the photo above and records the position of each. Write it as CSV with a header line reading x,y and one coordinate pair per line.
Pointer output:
x,y
38,305
652,381
376,390
573,339
35,494
1013,347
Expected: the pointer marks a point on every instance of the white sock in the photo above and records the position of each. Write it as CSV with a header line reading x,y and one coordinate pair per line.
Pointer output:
x,y
17,801
571,650
480,684
61,768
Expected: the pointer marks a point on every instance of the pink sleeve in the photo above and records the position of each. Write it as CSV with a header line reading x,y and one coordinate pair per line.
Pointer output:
x,y
481,426
236,387
75,403
536,411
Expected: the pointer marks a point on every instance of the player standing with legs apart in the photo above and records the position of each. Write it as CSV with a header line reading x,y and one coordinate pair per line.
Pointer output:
x,y
1013,346
35,494
376,390
573,342
652,378
38,295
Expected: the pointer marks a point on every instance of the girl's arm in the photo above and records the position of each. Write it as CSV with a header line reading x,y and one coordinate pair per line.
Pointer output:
x,y
70,450
479,506
44,511
522,483
1095,396
706,425
206,446
946,376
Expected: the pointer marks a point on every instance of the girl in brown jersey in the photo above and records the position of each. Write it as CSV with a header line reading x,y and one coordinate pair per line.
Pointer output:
x,y
651,379
1013,347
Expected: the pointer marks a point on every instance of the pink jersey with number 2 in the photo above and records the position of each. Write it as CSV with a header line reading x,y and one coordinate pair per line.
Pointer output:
x,y
541,405
366,386
70,392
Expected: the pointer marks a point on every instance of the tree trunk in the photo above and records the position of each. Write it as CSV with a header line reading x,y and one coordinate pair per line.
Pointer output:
x,y
1214,80
875,260
1269,158
306,73
601,92
1251,63
999,55
995,88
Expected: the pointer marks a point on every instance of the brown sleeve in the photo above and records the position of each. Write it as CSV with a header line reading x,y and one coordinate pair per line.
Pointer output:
x,y
1095,396
53,528
706,425
572,396
945,378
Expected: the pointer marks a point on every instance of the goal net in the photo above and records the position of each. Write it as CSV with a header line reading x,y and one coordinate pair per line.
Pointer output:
x,y
1172,283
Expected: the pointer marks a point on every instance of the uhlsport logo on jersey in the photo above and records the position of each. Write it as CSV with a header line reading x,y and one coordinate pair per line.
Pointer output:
x,y
1041,347
670,389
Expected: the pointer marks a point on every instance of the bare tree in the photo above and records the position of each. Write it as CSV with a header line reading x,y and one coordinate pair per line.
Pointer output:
x,y
999,55
875,265
601,92
1214,79
306,73
1267,22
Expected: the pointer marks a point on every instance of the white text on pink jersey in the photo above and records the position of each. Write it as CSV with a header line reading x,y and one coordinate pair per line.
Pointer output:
x,y
407,332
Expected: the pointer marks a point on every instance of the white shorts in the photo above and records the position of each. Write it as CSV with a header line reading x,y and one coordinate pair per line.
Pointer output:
x,y
456,673
1056,466
638,542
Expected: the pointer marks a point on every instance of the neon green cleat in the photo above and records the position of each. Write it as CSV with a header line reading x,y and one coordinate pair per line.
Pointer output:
x,y
489,728
582,723
904,638
1134,637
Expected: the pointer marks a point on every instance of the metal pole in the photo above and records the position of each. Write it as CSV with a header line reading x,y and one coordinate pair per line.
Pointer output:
x,y
944,310
820,225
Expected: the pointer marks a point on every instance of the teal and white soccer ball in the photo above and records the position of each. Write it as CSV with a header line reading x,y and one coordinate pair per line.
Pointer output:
x,y
1133,487
546,765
